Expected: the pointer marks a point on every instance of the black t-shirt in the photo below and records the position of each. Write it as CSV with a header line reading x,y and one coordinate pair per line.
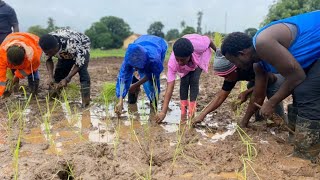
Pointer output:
x,y
243,75
8,18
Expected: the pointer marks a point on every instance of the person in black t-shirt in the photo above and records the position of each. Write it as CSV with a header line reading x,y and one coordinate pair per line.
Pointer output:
x,y
232,75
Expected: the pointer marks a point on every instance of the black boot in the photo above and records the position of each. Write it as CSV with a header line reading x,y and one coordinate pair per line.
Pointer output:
x,y
33,86
85,94
292,117
307,139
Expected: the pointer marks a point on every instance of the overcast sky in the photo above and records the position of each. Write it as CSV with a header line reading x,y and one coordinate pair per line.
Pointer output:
x,y
139,14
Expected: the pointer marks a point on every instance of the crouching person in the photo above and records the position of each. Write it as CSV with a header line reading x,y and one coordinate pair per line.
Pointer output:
x,y
21,53
145,55
73,52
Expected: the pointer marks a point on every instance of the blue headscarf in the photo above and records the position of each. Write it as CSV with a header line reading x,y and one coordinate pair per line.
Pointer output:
x,y
136,56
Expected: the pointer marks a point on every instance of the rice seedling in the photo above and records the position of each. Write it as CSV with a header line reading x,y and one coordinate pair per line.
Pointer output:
x,y
237,103
66,103
116,140
155,95
108,93
21,120
72,91
148,174
46,117
9,76
179,147
247,141
251,152
16,156
70,171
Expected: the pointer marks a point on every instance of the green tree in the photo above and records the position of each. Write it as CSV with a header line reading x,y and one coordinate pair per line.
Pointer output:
x,y
51,25
188,30
108,33
251,31
38,30
156,29
199,29
172,34
287,8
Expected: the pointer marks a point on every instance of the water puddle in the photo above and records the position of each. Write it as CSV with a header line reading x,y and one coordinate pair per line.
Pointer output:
x,y
101,125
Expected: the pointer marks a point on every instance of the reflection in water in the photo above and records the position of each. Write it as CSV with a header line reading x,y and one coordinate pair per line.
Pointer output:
x,y
100,124
231,129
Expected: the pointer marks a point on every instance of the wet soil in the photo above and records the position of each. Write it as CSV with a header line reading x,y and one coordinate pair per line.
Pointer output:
x,y
93,143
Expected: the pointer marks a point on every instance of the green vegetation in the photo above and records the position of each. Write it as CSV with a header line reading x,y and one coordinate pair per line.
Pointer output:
x,y
286,8
108,93
109,32
98,53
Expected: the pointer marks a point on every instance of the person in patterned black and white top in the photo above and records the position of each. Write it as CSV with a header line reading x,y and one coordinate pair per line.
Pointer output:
x,y
73,52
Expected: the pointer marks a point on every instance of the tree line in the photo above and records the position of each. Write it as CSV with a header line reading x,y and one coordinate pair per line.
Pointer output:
x,y
110,31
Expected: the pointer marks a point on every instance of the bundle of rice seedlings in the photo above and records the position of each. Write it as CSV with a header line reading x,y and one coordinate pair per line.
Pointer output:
x,y
73,91
218,39
9,76
108,93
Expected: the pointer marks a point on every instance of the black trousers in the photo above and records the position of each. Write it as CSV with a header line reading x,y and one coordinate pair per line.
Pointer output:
x,y
306,96
64,67
191,80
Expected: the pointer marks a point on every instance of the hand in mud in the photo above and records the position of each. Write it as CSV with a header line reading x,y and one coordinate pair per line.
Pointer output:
x,y
196,120
267,110
63,83
50,82
118,108
159,117
243,124
243,96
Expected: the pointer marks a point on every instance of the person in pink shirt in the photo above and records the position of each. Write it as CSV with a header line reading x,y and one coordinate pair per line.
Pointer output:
x,y
191,55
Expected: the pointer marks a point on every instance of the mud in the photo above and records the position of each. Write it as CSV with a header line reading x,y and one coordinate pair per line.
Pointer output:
x,y
93,143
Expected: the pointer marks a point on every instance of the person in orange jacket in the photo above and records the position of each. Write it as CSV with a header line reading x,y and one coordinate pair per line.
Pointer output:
x,y
21,53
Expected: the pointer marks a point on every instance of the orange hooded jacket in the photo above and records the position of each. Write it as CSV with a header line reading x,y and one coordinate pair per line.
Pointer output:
x,y
31,60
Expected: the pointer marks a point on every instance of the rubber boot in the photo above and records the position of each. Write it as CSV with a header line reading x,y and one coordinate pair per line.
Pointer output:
x,y
192,109
33,86
183,108
307,139
85,94
292,117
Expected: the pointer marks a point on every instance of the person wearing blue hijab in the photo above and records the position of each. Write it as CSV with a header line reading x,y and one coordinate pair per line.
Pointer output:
x,y
145,55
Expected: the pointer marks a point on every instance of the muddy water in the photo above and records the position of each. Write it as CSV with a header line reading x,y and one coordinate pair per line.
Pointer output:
x,y
97,124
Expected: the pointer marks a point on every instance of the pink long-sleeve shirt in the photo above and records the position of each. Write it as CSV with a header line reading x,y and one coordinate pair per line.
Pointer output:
x,y
200,57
